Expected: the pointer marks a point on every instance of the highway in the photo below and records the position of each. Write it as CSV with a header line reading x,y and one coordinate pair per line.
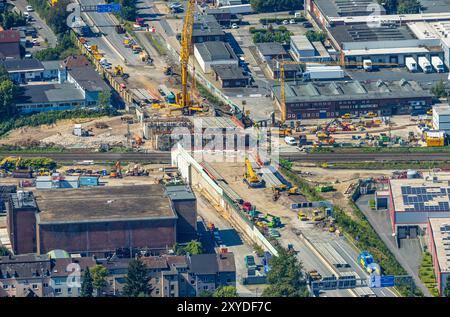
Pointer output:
x,y
300,157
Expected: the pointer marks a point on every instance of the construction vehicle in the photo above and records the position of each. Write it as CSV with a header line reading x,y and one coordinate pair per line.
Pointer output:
x,y
183,98
116,172
346,116
293,191
251,178
118,70
136,49
367,262
430,112
302,216
371,115
314,275
127,43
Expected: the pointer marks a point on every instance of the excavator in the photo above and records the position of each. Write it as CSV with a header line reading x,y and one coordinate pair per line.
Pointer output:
x,y
116,172
251,178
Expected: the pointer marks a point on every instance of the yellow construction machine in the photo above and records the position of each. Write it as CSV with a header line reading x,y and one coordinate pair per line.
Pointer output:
x,y
250,177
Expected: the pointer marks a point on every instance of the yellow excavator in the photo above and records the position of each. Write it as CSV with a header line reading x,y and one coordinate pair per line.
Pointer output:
x,y
251,178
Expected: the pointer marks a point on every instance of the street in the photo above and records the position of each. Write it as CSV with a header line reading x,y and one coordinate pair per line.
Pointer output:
x,y
43,29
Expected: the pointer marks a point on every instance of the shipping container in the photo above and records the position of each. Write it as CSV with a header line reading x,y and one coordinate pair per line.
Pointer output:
x,y
89,180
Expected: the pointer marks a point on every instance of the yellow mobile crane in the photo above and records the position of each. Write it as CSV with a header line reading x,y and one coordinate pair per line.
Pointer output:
x,y
250,177
183,98
282,79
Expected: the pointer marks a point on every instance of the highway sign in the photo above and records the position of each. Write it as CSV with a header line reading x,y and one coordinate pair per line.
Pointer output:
x,y
108,8
387,281
377,281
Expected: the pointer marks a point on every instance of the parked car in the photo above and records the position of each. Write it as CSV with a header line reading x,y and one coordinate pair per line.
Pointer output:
x,y
29,8
234,26
292,21
285,22
28,55
290,140
307,24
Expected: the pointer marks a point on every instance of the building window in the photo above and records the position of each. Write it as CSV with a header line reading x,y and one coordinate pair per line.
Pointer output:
x,y
205,287
34,286
228,280
45,285
5,286
13,286
57,291
69,291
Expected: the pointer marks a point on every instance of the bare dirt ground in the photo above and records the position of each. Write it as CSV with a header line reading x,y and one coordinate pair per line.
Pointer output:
x,y
61,133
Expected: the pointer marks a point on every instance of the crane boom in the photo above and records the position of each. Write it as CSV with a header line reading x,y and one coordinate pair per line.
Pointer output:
x,y
250,171
186,43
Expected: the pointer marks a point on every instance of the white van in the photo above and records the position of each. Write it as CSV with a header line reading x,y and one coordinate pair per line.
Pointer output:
x,y
290,140
29,8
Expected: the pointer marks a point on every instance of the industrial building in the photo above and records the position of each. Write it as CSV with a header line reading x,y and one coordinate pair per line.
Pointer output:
x,y
303,50
441,117
291,71
66,85
231,76
439,233
214,53
329,99
9,44
412,201
387,45
271,50
100,219
206,29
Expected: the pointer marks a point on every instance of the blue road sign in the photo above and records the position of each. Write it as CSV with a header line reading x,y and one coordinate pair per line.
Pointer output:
x,y
387,281
108,8
377,281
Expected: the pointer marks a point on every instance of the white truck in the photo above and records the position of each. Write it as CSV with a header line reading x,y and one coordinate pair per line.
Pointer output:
x,y
424,63
411,64
367,65
437,63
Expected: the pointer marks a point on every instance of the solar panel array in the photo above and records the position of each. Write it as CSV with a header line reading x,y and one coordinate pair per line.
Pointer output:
x,y
425,199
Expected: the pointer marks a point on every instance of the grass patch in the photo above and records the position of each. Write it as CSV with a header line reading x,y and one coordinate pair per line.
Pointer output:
x,y
392,165
157,43
426,273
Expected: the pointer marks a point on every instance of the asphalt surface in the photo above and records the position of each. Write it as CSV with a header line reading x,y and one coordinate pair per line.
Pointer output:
x,y
43,29
165,156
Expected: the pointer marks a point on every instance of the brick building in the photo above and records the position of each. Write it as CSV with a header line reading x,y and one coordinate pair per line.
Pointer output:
x,y
99,220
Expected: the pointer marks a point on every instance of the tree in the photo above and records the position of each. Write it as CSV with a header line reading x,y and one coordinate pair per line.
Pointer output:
x,y
285,278
104,100
314,36
275,5
446,292
206,294
438,90
178,249
137,279
226,291
8,93
86,286
99,274
194,247
408,7
4,251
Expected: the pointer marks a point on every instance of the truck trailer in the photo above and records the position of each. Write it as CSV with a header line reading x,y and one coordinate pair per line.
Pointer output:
x,y
437,63
424,63
411,64
323,72
367,65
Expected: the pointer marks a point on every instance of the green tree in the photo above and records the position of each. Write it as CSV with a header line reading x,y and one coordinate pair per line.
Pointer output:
x,y
137,279
99,274
206,294
408,7
4,251
438,90
104,100
314,36
275,5
178,249
285,277
226,291
8,93
86,286
194,247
